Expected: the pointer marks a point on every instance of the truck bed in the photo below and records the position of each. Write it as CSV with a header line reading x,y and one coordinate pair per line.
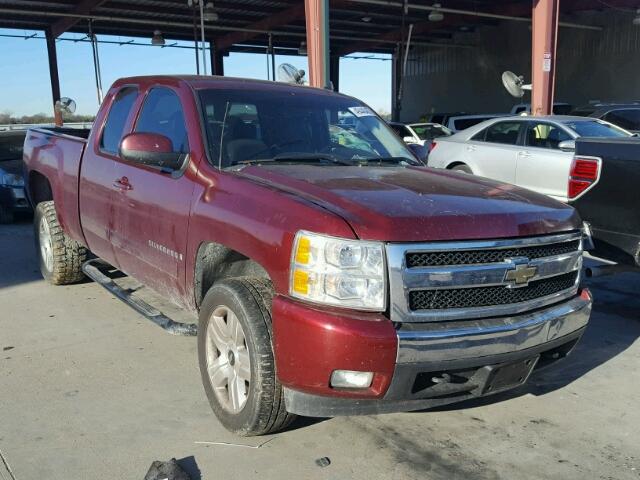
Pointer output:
x,y
56,153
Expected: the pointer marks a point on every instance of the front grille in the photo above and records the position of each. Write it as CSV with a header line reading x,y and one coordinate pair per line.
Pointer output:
x,y
488,296
469,257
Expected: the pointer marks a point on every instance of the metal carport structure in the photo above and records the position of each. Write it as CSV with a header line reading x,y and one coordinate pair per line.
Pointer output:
x,y
328,29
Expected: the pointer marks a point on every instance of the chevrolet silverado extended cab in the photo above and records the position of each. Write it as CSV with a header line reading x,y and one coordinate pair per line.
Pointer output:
x,y
330,277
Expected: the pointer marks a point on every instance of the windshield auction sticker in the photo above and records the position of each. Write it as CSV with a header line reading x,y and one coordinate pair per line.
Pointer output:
x,y
362,112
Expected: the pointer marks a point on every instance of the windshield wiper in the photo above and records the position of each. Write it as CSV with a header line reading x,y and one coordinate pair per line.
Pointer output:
x,y
381,160
298,157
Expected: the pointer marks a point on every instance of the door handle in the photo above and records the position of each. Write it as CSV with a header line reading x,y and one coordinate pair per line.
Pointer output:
x,y
524,154
471,148
122,184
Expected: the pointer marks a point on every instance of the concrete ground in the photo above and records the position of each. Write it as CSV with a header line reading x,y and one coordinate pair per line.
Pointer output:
x,y
90,390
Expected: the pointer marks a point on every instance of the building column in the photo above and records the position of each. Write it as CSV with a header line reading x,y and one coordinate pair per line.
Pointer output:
x,y
544,35
334,72
53,74
317,18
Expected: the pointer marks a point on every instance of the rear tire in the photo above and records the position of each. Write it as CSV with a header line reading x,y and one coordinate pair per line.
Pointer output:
x,y
234,342
6,215
462,168
59,256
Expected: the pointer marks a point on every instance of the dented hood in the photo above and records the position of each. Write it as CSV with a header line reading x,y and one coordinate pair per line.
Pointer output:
x,y
420,204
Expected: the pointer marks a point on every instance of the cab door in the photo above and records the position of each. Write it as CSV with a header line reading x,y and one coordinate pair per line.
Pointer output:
x,y
151,211
542,166
98,171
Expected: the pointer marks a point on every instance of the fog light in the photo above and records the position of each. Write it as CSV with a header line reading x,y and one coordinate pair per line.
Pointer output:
x,y
351,379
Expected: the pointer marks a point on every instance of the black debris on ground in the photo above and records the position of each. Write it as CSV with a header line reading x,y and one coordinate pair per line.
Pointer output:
x,y
166,471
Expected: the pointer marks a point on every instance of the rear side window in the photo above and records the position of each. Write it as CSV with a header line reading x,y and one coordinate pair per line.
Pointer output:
x,y
162,114
503,132
117,119
628,118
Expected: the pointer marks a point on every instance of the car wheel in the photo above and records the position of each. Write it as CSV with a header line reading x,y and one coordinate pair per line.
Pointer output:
x,y
6,215
60,257
236,358
462,168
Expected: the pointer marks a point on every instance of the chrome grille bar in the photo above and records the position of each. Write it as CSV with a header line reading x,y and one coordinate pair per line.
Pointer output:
x,y
404,280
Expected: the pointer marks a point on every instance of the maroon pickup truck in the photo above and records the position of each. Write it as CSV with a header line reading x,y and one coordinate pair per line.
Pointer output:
x,y
332,273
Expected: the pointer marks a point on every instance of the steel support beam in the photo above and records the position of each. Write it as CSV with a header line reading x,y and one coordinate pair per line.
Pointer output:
x,y
334,72
53,73
84,7
396,68
317,17
281,18
217,60
544,36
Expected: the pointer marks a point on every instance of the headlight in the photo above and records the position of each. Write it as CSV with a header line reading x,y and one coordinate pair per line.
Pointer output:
x,y
11,180
336,271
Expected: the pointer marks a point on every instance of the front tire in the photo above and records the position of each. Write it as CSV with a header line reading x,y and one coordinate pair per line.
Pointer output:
x,y
236,359
59,256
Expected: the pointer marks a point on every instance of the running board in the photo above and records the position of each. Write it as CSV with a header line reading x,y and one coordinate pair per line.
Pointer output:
x,y
91,269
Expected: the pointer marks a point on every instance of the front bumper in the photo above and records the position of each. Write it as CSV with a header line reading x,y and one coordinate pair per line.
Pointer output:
x,y
435,363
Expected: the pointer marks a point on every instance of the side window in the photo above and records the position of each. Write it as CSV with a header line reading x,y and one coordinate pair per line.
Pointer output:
x,y
503,132
117,119
479,137
162,114
628,119
545,135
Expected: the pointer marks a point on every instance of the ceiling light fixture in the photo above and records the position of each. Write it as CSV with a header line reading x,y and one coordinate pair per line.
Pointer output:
x,y
210,14
436,15
157,38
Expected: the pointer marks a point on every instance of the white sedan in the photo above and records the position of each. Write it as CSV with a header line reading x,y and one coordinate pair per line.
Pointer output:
x,y
531,152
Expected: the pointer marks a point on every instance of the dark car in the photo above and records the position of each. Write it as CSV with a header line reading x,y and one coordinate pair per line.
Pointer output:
x,y
604,179
12,197
625,115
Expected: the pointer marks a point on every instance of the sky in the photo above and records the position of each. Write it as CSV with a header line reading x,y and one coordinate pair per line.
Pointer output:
x,y
26,89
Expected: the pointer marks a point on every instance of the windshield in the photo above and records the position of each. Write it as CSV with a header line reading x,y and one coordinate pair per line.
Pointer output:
x,y
429,132
463,123
245,126
596,128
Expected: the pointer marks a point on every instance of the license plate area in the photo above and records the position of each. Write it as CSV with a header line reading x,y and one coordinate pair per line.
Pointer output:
x,y
497,378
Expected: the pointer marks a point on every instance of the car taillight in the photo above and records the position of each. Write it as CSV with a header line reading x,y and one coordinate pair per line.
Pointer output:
x,y
583,175
432,145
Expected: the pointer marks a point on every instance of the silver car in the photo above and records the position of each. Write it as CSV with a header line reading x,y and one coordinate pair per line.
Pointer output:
x,y
531,152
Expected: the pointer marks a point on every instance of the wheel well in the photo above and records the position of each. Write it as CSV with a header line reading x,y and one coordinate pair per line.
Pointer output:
x,y
215,262
39,188
455,164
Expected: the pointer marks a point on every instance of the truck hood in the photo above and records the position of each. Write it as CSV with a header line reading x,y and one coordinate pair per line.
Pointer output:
x,y
399,204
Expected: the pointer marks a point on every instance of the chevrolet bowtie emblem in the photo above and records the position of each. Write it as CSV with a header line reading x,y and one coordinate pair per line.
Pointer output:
x,y
521,274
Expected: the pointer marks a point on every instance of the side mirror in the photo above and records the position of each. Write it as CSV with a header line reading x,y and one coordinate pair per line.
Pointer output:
x,y
150,149
408,140
567,145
